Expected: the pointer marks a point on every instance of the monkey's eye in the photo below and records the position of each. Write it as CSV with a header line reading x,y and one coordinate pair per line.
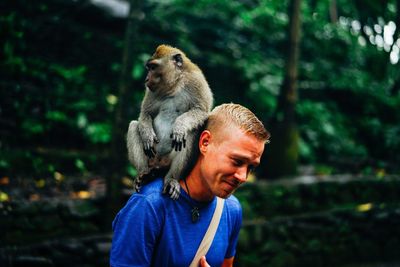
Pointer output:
x,y
151,66
178,59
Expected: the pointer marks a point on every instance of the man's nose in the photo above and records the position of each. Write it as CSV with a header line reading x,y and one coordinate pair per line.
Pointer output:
x,y
241,174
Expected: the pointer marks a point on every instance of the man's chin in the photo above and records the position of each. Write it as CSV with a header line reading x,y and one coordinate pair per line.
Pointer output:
x,y
225,194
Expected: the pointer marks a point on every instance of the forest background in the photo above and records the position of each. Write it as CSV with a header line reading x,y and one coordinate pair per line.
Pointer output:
x,y
323,76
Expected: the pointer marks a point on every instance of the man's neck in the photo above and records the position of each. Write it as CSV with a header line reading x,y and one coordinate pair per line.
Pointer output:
x,y
197,188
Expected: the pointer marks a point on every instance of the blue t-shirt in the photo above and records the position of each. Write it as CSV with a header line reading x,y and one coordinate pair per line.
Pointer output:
x,y
154,230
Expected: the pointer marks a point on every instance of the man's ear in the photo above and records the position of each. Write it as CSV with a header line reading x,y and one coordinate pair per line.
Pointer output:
x,y
204,141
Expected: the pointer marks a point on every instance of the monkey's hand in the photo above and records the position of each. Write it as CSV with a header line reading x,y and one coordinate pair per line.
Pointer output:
x,y
178,137
149,138
173,188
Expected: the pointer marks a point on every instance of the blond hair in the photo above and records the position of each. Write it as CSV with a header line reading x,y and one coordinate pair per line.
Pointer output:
x,y
226,114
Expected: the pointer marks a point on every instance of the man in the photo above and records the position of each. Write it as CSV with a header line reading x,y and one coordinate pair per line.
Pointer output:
x,y
154,230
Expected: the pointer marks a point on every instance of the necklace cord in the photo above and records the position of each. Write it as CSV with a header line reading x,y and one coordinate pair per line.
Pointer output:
x,y
187,188
195,210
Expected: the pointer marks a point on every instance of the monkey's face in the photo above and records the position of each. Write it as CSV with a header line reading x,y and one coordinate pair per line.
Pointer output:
x,y
154,74
163,73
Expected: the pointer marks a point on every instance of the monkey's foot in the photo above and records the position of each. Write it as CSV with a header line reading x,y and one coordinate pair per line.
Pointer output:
x,y
173,188
137,183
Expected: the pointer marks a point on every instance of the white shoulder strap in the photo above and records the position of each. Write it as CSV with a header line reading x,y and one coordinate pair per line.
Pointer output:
x,y
210,233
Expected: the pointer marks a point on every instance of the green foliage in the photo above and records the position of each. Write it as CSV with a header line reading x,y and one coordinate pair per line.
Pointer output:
x,y
327,134
265,201
55,85
325,223
61,63
32,222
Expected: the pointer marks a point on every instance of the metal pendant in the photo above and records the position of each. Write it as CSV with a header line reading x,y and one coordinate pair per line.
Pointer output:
x,y
195,214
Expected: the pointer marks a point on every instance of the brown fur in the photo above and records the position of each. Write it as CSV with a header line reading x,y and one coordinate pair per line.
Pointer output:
x,y
175,106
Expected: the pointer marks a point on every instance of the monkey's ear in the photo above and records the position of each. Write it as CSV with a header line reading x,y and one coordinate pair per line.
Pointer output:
x,y
178,59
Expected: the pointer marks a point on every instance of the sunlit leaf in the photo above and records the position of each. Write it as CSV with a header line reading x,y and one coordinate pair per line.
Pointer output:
x,y
364,207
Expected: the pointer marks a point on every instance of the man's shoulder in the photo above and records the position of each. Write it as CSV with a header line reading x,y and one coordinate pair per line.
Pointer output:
x,y
155,186
233,213
233,204
151,192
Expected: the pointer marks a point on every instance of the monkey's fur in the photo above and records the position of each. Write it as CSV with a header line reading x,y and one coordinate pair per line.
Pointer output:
x,y
175,105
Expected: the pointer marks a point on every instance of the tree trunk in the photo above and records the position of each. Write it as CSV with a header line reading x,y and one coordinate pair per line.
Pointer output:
x,y
118,156
282,153
333,11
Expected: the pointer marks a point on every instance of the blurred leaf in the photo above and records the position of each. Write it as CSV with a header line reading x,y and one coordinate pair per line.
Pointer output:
x,y
99,132
137,71
75,74
32,127
131,171
82,121
56,116
80,165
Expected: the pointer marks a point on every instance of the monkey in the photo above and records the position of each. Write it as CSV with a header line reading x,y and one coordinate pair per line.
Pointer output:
x,y
176,104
